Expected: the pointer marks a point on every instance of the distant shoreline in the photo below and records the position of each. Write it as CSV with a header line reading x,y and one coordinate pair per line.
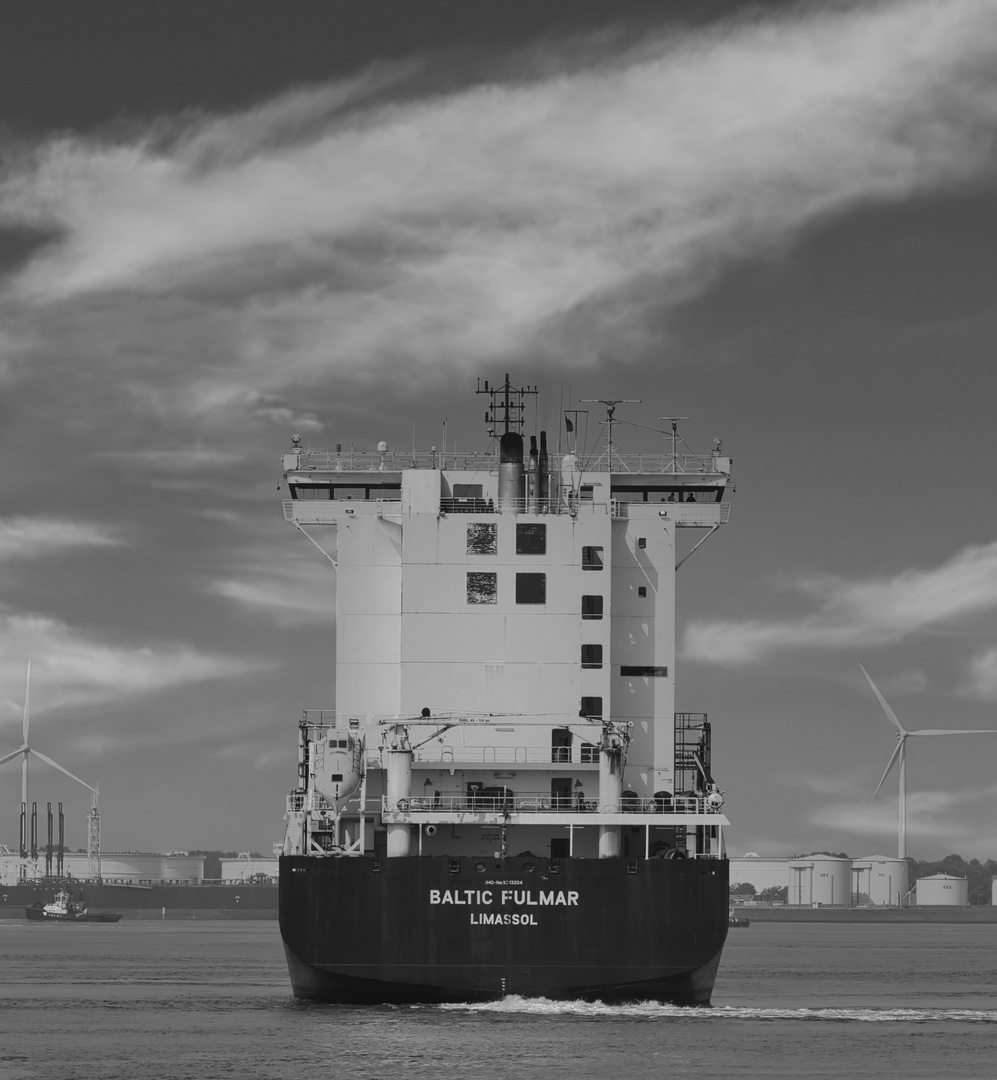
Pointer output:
x,y
983,914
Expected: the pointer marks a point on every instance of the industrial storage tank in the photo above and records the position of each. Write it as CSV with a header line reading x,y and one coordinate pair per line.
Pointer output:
x,y
762,873
832,883
823,880
880,879
137,868
942,890
249,868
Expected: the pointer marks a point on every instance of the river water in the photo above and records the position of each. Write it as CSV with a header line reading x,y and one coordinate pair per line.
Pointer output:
x,y
201,1000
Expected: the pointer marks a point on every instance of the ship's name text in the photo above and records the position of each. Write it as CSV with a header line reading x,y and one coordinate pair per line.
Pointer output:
x,y
502,897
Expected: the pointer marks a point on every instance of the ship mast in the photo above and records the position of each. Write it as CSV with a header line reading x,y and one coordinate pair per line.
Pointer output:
x,y
508,405
610,404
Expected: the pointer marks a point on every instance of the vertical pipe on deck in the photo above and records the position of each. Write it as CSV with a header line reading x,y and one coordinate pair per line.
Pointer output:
x,y
399,790
610,792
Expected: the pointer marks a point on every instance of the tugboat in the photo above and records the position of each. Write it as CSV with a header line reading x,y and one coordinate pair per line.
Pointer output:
x,y
64,908
505,800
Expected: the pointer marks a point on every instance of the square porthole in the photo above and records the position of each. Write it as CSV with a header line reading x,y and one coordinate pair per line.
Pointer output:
x,y
591,706
482,588
592,558
591,607
642,590
591,656
482,538
531,588
531,538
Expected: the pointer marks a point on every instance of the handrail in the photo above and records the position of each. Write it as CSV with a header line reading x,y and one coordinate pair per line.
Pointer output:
x,y
376,461
538,802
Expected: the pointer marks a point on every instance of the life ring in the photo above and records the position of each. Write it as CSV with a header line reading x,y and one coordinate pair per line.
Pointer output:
x,y
401,805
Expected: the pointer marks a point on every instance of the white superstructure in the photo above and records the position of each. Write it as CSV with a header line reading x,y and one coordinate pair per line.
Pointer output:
x,y
505,624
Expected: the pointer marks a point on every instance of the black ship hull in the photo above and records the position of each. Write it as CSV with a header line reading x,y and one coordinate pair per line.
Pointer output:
x,y
441,929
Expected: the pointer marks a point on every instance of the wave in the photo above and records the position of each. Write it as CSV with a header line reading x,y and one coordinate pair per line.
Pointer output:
x,y
652,1010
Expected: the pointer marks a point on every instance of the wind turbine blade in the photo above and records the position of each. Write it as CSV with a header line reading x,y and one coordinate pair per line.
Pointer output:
x,y
12,754
27,703
56,765
954,731
891,715
889,765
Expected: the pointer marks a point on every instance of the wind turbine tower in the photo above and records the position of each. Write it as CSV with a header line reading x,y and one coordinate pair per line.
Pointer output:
x,y
25,750
900,752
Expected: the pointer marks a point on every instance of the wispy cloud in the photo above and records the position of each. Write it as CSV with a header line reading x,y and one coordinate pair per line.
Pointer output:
x,y
183,460
981,681
349,228
934,815
69,668
274,584
38,537
853,614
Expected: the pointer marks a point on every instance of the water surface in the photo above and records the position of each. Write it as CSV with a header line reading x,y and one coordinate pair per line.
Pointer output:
x,y
201,1000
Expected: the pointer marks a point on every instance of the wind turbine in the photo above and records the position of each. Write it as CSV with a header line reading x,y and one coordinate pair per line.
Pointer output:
x,y
26,751
900,751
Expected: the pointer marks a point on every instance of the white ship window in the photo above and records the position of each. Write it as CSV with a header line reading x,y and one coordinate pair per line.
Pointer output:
x,y
587,491
642,541
591,607
591,706
642,590
592,558
482,538
591,656
531,588
467,491
310,491
482,588
531,539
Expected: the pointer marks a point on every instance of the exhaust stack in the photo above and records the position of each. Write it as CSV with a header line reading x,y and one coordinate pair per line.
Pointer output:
x,y
511,478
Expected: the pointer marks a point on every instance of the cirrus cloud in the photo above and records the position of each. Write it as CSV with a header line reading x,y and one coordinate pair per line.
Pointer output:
x,y
853,614
352,227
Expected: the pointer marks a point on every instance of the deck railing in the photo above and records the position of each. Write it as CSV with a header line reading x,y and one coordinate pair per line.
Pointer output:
x,y
374,461
539,802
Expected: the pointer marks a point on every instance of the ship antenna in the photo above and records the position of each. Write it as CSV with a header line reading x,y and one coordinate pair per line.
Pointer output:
x,y
675,437
507,407
610,404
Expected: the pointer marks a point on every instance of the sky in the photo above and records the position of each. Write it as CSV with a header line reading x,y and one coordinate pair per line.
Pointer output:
x,y
223,224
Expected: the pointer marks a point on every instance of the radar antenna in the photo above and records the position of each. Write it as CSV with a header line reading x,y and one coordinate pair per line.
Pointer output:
x,y
610,404
675,438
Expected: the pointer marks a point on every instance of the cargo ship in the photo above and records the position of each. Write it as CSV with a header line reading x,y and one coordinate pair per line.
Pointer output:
x,y
504,800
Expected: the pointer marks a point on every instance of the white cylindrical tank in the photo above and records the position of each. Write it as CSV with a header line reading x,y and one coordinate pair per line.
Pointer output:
x,y
832,881
993,892
942,890
880,879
